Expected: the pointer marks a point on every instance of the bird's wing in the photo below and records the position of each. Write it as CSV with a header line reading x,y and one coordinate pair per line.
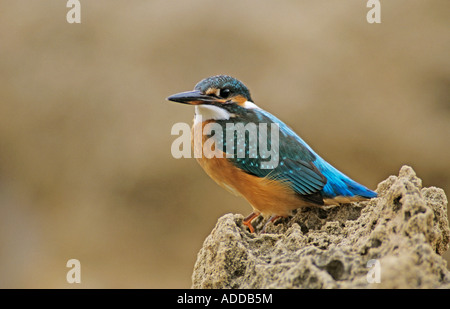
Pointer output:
x,y
295,165
301,173
303,176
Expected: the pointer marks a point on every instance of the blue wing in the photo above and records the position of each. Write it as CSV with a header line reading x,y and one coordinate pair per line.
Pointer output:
x,y
337,183
295,165
306,172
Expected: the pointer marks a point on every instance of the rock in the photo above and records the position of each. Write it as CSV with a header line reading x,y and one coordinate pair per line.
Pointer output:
x,y
394,241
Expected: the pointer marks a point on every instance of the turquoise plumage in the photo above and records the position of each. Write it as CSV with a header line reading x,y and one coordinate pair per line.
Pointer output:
x,y
297,176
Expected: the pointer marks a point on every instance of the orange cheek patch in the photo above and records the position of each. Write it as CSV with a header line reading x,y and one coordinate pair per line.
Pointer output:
x,y
211,91
240,100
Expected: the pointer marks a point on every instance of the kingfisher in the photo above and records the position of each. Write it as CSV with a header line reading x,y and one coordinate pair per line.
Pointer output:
x,y
300,177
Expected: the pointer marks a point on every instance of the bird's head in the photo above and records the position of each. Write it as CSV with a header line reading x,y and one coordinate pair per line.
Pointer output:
x,y
218,97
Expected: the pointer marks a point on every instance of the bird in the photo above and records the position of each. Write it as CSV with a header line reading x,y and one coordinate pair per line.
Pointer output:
x,y
300,178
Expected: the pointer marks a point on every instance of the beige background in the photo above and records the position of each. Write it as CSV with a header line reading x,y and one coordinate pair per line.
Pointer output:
x,y
85,165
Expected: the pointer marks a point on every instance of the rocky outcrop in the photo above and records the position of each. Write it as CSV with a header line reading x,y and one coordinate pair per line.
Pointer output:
x,y
393,241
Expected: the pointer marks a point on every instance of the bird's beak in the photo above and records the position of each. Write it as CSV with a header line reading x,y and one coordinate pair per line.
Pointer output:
x,y
194,97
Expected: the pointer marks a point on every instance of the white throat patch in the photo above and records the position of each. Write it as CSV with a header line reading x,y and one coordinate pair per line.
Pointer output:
x,y
250,105
208,112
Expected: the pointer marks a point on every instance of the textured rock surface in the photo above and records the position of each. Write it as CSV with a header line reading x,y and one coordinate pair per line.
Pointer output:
x,y
406,229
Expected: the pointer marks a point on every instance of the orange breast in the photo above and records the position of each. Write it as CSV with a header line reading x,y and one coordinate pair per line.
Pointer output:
x,y
266,196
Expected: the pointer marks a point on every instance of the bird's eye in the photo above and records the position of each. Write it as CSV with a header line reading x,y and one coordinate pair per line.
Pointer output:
x,y
225,93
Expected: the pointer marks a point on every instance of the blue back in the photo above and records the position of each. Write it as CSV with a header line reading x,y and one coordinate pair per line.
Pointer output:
x,y
305,171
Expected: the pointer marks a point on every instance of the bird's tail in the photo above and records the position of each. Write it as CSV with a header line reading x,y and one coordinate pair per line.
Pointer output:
x,y
340,186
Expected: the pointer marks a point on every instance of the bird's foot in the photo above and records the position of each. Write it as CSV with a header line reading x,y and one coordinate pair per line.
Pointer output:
x,y
271,219
248,221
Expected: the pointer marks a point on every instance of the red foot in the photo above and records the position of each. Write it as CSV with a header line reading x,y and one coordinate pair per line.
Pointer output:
x,y
271,219
248,221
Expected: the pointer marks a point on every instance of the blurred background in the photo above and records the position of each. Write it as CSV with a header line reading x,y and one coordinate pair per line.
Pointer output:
x,y
86,170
